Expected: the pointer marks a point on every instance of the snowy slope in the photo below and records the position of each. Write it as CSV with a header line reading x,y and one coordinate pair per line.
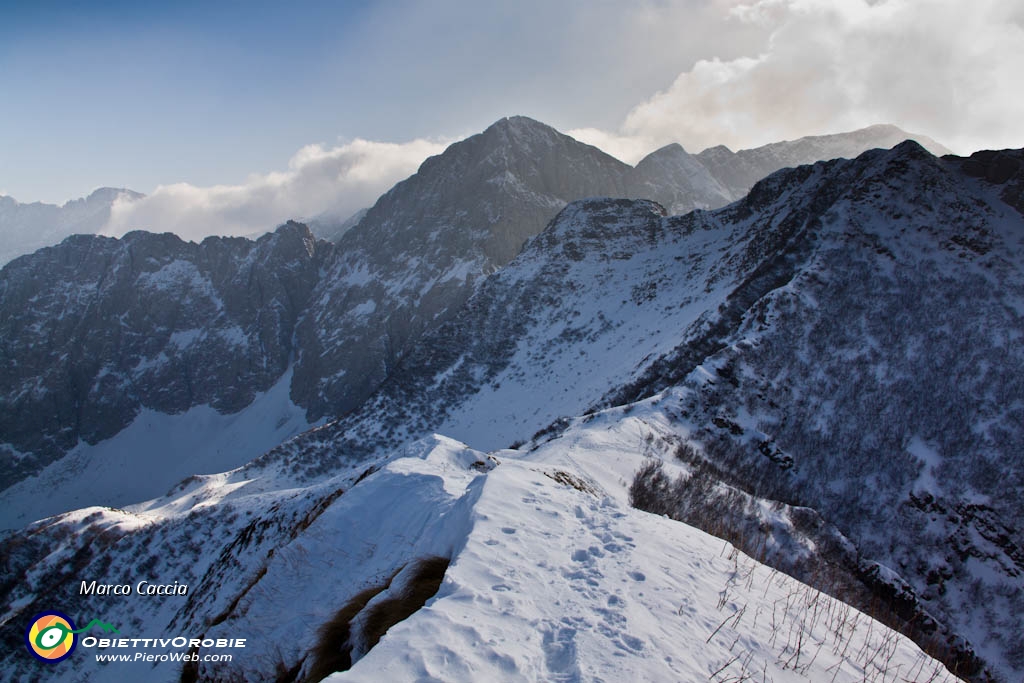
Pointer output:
x,y
559,584
879,383
551,576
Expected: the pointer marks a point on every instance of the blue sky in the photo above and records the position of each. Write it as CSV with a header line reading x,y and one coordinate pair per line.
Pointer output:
x,y
178,98
137,94
142,93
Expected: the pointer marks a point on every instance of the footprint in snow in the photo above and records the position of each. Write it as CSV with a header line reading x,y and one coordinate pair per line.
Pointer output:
x,y
560,654
613,621
631,643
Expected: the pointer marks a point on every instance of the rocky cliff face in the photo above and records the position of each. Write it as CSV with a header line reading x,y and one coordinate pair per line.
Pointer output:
x,y
418,252
96,329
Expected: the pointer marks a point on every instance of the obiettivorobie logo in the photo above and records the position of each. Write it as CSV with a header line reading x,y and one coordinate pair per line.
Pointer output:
x,y
51,636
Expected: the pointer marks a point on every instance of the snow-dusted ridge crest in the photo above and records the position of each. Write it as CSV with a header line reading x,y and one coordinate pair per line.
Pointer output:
x,y
551,575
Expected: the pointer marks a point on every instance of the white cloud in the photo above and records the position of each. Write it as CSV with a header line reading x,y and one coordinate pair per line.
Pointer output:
x,y
339,180
628,148
943,68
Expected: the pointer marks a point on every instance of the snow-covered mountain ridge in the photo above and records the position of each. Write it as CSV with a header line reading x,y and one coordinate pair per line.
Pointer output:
x,y
758,316
548,574
790,281
738,171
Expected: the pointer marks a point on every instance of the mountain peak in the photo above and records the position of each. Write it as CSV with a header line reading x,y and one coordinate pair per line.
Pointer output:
x,y
109,194
100,199
718,151
518,124
677,180
912,148
908,156
519,132
670,151
294,227
881,128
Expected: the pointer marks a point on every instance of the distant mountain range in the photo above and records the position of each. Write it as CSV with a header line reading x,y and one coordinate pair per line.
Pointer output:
x,y
672,177
27,227
825,372
681,181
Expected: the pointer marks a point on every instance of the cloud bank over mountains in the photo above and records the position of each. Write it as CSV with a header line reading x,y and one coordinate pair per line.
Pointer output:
x,y
930,66
337,180
925,65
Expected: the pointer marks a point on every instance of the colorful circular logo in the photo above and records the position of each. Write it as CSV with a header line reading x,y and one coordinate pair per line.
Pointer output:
x,y
50,637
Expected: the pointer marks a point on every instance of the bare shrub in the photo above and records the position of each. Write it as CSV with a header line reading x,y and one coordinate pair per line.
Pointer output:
x,y
333,650
422,586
